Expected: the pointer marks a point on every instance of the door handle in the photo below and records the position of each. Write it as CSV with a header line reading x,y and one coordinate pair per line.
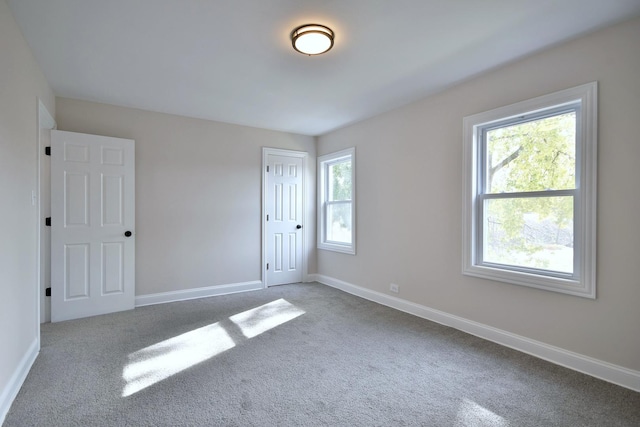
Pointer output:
x,y
298,226
127,233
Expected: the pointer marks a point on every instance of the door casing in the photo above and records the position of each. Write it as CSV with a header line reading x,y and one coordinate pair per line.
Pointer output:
x,y
46,124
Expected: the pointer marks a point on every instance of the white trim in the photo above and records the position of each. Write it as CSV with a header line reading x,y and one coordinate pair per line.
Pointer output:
x,y
584,284
266,152
45,120
12,388
321,190
187,294
43,191
606,371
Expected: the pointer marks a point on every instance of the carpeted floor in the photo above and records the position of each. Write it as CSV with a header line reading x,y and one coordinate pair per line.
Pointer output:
x,y
297,355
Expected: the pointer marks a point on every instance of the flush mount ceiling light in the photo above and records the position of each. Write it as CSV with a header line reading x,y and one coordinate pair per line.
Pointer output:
x,y
312,39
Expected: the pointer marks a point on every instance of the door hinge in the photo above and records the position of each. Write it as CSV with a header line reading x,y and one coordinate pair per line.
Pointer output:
x,y
47,292
47,221
267,168
47,151
267,266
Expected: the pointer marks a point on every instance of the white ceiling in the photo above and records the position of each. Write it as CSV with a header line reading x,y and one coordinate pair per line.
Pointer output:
x,y
232,60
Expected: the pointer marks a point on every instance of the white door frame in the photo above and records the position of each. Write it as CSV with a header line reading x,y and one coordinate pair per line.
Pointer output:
x,y
266,151
46,123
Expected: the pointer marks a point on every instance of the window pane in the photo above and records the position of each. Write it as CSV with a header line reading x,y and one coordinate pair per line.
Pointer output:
x,y
339,222
340,180
533,156
534,232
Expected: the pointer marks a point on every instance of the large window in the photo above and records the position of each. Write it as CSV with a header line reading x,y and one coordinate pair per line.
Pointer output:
x,y
336,195
530,192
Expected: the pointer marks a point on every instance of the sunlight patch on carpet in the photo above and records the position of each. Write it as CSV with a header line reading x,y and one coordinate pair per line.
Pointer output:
x,y
160,361
470,414
261,319
164,359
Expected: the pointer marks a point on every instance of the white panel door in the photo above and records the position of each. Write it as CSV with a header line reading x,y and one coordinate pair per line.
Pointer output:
x,y
92,225
284,219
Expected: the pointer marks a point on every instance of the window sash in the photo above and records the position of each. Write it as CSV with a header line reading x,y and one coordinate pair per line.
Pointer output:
x,y
483,194
327,219
480,240
573,107
329,177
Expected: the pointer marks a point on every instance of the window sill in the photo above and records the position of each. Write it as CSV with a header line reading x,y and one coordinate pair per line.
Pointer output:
x,y
351,250
538,281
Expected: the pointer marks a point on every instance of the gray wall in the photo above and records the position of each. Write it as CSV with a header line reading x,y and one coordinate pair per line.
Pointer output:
x,y
409,166
21,84
198,193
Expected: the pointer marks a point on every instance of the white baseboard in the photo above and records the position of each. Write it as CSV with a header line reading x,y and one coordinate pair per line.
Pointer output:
x,y
187,294
596,368
11,390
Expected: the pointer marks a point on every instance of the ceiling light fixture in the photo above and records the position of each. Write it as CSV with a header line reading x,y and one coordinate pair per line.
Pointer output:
x,y
312,39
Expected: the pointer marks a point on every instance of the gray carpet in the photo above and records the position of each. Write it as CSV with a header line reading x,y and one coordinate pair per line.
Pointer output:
x,y
315,356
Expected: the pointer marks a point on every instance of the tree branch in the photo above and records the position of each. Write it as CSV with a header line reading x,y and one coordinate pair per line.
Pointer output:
x,y
511,157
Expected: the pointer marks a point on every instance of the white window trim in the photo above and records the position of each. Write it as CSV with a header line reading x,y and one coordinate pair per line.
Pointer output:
x,y
323,161
584,284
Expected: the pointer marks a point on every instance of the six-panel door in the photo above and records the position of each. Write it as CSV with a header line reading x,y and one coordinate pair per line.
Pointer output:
x,y
284,226
92,209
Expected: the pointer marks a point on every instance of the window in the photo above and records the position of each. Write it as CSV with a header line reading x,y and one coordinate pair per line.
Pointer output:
x,y
530,192
336,193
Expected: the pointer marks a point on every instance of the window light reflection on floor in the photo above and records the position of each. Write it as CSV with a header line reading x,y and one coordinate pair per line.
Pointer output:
x,y
261,319
157,362
470,414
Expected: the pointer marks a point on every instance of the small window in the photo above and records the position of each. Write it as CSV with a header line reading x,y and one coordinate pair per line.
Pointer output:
x,y
530,192
336,193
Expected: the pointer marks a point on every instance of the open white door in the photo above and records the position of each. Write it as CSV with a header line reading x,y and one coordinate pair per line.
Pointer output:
x,y
92,225
283,207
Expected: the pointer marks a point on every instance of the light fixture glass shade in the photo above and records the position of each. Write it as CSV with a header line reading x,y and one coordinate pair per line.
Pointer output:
x,y
312,39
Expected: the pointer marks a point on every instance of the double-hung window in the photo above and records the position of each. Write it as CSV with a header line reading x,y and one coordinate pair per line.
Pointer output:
x,y
530,192
336,195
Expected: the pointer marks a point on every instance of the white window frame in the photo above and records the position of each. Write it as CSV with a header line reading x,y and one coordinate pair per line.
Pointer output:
x,y
323,187
583,280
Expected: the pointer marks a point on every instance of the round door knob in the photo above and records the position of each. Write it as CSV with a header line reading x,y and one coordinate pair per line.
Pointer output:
x,y
128,233
298,226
